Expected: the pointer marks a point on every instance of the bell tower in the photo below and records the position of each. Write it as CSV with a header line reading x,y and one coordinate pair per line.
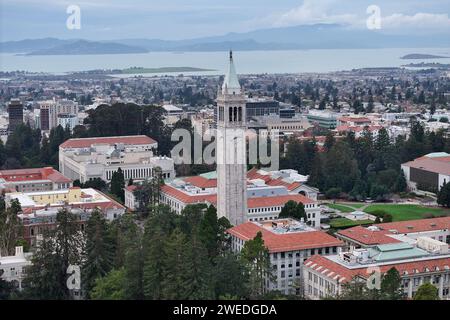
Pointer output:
x,y
231,149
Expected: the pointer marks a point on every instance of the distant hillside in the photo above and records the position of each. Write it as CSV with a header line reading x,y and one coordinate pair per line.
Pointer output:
x,y
88,47
28,45
422,56
318,36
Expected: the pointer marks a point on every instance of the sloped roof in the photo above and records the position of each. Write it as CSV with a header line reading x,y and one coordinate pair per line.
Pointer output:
x,y
286,241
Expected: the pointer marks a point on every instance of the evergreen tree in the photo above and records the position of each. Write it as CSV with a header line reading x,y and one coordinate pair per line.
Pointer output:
x,y
11,228
292,209
99,254
209,232
255,257
443,196
133,260
427,291
391,285
155,240
329,141
118,184
109,287
231,277
174,272
59,248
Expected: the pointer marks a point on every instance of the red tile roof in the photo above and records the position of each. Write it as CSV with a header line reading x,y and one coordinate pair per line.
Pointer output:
x,y
367,237
253,174
333,269
186,198
417,225
46,173
354,119
277,200
258,202
287,241
87,142
201,182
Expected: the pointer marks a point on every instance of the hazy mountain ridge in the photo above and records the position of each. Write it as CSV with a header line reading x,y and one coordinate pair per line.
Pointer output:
x,y
318,36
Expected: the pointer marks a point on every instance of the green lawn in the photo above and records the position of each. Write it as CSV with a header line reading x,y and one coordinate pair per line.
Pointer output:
x,y
339,223
402,212
355,205
340,207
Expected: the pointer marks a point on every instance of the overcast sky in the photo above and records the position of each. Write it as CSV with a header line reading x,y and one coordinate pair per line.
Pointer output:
x,y
181,19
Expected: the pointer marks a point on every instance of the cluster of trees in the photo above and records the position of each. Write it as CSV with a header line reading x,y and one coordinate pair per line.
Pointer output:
x,y
26,148
166,256
11,229
364,167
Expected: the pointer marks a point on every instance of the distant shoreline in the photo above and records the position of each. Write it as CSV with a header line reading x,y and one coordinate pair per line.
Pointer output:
x,y
141,70
414,56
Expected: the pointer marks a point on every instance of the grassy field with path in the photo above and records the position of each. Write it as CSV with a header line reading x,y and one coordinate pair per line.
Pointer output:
x,y
402,212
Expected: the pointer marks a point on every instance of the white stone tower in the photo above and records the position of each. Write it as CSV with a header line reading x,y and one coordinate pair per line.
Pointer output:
x,y
231,150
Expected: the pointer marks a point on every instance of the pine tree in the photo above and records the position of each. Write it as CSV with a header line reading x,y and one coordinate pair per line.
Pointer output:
x,y
390,285
46,278
11,229
154,262
99,254
255,257
174,276
209,232
231,277
133,260
443,196
198,273
118,184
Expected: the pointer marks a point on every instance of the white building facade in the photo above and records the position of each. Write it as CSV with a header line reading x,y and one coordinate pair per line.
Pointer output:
x,y
89,158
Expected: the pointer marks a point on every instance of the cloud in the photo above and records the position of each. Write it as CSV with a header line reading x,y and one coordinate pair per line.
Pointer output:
x,y
399,21
311,12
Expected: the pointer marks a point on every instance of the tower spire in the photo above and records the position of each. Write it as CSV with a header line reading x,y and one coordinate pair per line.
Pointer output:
x,y
231,82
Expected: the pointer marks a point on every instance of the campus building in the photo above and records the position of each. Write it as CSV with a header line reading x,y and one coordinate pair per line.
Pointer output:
x,y
13,268
427,173
290,244
33,179
423,261
266,192
88,158
396,232
39,209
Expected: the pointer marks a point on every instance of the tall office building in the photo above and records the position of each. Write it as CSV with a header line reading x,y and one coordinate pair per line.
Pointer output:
x,y
15,112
